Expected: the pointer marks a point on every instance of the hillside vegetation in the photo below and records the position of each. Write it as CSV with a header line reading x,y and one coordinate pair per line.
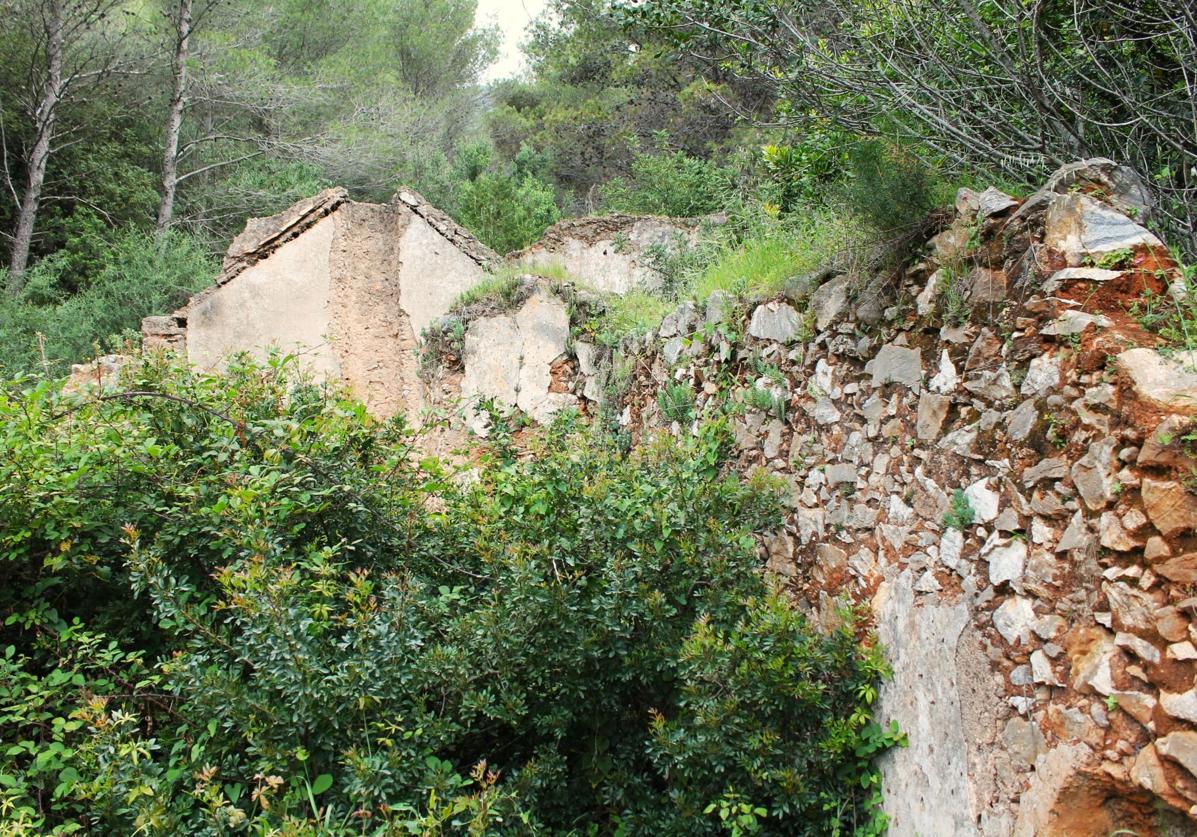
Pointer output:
x,y
192,115
240,604
237,603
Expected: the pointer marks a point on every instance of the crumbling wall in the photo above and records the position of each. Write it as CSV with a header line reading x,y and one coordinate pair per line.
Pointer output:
x,y
1000,462
346,287
986,448
518,353
611,253
997,467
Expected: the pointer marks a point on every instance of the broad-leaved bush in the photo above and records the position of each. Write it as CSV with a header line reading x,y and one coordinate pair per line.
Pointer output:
x,y
239,604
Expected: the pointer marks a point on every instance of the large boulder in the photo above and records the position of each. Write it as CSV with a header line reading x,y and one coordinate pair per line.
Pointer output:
x,y
1083,228
775,321
1169,383
1118,185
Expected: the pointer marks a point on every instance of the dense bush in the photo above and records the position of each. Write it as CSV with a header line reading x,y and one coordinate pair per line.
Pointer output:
x,y
795,174
597,93
54,321
506,211
240,604
670,183
508,205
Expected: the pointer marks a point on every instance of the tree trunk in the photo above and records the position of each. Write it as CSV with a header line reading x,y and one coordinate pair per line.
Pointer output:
x,y
47,112
174,119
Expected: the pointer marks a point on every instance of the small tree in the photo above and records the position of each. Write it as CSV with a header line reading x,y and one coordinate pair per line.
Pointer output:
x,y
73,47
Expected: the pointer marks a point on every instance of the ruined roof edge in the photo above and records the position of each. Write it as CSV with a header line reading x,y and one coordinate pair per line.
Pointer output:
x,y
450,230
262,236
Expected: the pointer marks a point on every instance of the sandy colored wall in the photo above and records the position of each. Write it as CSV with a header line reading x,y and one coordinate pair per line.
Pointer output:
x,y
373,340
432,273
347,287
282,300
612,253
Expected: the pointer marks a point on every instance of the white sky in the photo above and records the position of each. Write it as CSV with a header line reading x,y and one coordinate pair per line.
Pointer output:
x,y
512,17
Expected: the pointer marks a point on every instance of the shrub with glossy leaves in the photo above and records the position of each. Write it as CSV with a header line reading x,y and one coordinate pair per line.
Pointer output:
x,y
240,603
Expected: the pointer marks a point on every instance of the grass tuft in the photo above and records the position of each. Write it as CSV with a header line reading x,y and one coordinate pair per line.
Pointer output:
x,y
501,291
632,314
770,253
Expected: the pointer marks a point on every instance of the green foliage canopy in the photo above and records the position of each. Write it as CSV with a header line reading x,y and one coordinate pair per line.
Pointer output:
x,y
239,601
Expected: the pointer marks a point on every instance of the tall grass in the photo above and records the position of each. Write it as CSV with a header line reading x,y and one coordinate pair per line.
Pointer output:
x,y
770,252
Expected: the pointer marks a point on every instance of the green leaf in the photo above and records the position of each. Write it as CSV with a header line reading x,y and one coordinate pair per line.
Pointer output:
x,y
323,782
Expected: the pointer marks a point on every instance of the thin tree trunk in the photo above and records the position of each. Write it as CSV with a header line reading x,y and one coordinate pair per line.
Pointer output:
x,y
47,112
174,119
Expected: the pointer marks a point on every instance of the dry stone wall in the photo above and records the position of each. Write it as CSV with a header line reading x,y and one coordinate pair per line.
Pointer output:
x,y
1003,469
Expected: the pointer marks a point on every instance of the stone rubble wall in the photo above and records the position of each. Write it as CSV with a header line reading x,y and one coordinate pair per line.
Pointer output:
x,y
1045,653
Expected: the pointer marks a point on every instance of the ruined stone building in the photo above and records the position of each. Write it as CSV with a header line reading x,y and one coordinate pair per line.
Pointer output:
x,y
1045,648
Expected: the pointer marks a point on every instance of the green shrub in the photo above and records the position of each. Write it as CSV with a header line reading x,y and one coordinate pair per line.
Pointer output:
x,y
796,174
245,606
765,252
960,513
501,291
888,186
507,211
1172,316
627,315
767,401
134,276
673,184
677,403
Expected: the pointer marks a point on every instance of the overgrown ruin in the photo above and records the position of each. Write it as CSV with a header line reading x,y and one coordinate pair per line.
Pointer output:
x,y
347,286
1000,465
350,287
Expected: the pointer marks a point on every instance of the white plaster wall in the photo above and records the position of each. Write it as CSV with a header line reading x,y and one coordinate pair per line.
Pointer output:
x,y
432,274
608,265
281,301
